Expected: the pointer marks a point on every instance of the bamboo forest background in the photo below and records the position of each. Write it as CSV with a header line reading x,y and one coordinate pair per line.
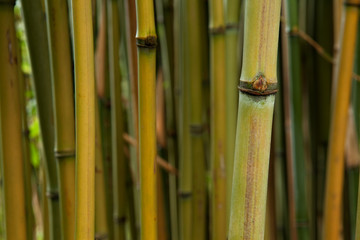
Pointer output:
x,y
202,170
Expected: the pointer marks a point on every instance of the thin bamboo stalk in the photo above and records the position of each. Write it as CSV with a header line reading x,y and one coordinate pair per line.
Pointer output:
x,y
103,94
320,106
182,103
146,45
193,66
232,19
297,137
101,224
218,118
10,120
85,119
256,103
30,226
335,160
62,81
117,122
288,151
37,38
170,116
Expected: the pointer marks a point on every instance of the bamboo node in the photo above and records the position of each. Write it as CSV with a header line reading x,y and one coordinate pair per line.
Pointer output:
x,y
184,194
231,26
146,42
217,30
53,195
59,154
101,236
196,129
259,86
119,220
352,3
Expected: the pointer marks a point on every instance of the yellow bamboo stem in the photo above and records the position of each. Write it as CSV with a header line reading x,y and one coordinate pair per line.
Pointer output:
x,y
10,120
146,44
61,70
85,119
254,124
335,166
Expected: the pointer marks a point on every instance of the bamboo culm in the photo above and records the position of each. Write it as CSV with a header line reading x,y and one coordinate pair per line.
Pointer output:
x,y
255,113
85,119
146,44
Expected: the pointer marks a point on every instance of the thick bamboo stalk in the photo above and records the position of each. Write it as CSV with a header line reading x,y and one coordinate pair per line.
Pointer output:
x,y
11,131
146,45
232,19
35,24
63,93
85,119
117,122
335,160
297,138
218,118
170,116
256,102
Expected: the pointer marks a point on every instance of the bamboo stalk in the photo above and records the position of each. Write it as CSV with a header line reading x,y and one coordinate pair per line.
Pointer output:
x,y
255,113
62,81
103,94
335,161
218,119
232,19
30,226
182,103
10,120
35,24
101,224
146,45
117,122
193,62
170,117
85,119
297,138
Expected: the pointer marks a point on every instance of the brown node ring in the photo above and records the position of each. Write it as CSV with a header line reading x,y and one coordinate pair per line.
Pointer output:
x,y
258,87
146,42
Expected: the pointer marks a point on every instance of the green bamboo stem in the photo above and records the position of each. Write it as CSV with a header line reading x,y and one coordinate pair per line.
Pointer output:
x,y
103,94
338,126
194,61
85,119
232,19
117,122
182,103
279,162
30,226
170,116
35,26
146,45
297,138
218,118
62,81
255,113
11,131
101,224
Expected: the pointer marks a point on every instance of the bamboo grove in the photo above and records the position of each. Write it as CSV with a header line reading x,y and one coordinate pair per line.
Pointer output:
x,y
179,119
